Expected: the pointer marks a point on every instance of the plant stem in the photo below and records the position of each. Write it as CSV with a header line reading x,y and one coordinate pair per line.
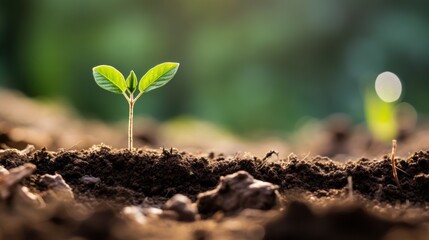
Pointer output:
x,y
138,96
392,159
130,125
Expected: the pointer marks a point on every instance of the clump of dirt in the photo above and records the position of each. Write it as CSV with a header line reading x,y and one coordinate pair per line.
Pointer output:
x,y
114,179
236,192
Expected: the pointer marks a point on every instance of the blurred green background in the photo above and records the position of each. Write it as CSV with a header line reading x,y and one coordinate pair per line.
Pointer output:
x,y
247,65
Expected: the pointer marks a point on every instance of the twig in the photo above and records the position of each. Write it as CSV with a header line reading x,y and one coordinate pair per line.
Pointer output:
x,y
403,171
68,149
392,159
306,156
350,187
270,154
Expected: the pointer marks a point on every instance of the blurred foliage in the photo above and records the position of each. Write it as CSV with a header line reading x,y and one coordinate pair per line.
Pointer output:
x,y
381,117
245,64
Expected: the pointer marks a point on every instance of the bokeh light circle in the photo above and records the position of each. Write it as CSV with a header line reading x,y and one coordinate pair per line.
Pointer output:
x,y
388,87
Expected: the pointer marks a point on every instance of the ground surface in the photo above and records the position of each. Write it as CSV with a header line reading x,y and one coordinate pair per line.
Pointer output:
x,y
150,177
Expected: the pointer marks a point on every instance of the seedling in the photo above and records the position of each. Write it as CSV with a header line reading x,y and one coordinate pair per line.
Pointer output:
x,y
110,79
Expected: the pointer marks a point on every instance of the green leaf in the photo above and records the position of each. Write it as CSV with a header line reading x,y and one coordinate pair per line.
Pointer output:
x,y
109,78
158,76
132,82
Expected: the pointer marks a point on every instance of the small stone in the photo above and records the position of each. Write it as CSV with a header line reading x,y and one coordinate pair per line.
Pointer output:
x,y
139,214
182,207
89,179
135,214
56,185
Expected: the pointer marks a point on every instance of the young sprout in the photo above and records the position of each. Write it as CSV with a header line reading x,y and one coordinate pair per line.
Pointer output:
x,y
110,79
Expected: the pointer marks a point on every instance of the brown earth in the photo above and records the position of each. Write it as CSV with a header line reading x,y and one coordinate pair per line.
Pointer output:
x,y
111,179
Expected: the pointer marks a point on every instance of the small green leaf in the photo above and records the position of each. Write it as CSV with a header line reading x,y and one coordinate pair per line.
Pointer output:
x,y
132,82
109,78
158,76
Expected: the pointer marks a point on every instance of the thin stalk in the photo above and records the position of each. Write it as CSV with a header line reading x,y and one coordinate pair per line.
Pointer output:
x,y
392,159
126,97
138,96
350,187
130,124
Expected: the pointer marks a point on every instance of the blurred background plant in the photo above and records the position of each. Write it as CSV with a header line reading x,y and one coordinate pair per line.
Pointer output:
x,y
250,66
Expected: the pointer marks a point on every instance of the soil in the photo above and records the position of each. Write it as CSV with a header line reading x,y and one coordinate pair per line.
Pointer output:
x,y
101,192
147,177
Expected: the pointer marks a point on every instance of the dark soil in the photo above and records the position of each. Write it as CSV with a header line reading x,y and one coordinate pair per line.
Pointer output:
x,y
120,178
127,178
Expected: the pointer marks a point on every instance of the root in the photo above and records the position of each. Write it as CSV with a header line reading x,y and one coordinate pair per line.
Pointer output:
x,y
392,159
